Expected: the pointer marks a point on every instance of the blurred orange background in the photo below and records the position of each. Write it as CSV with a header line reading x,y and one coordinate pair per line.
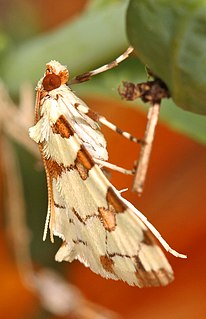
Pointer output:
x,y
173,200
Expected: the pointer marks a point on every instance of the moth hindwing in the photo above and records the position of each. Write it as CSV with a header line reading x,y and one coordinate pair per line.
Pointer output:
x,y
97,225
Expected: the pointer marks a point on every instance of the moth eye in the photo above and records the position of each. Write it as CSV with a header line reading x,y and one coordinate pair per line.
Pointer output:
x,y
51,82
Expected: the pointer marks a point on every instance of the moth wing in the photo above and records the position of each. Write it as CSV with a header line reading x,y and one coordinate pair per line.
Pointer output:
x,y
86,128
98,226
109,238
113,244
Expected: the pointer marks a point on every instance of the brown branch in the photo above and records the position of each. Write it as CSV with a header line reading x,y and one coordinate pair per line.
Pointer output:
x,y
152,92
144,157
16,213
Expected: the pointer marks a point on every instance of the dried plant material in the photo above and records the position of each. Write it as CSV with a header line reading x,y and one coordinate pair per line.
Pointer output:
x,y
65,299
152,92
144,157
18,231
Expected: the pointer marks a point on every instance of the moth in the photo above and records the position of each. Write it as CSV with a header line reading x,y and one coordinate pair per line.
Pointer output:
x,y
98,226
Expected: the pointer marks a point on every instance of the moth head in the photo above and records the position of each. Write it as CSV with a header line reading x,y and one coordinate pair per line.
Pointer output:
x,y
55,75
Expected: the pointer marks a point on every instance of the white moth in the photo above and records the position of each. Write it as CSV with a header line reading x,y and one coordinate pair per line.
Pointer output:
x,y
97,225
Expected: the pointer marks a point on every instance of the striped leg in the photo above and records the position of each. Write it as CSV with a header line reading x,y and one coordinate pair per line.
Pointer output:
x,y
88,75
114,167
116,129
86,112
95,116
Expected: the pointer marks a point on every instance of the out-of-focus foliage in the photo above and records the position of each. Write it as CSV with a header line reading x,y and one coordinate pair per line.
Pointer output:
x,y
91,39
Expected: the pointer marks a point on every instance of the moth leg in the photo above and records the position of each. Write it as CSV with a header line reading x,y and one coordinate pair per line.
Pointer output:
x,y
114,167
95,116
88,75
116,129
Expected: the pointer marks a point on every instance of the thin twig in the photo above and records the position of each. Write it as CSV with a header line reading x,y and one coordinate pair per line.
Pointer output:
x,y
146,148
152,92
16,214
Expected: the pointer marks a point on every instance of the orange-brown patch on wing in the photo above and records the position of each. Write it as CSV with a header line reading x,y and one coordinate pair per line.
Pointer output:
x,y
107,263
107,216
62,127
150,278
148,238
83,162
55,170
145,278
114,201
76,105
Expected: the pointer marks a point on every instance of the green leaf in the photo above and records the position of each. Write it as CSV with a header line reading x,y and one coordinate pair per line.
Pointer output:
x,y
169,36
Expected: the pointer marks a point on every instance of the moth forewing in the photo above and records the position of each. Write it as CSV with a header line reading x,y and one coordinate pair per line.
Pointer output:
x,y
97,225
